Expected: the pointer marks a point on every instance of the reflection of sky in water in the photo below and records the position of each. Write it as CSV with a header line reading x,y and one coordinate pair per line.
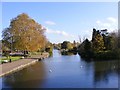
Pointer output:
x,y
66,71
107,81
0,83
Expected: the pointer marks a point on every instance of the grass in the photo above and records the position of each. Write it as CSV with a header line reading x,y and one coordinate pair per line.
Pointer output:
x,y
13,58
34,53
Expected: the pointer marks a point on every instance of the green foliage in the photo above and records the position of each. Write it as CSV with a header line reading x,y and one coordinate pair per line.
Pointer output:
x,y
106,55
68,48
49,50
13,58
87,45
108,42
85,49
119,38
103,46
57,46
98,43
67,53
66,45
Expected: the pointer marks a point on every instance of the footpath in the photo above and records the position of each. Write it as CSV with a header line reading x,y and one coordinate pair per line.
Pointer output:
x,y
14,66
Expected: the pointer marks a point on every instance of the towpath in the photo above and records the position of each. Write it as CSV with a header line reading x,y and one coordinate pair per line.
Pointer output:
x,y
7,68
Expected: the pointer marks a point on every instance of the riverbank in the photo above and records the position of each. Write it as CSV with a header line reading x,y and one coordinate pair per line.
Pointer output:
x,y
15,66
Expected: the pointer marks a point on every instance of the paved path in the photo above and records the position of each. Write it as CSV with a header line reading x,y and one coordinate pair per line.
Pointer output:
x,y
13,66
10,66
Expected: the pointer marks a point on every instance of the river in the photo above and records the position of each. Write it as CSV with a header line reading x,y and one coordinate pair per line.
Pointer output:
x,y
65,72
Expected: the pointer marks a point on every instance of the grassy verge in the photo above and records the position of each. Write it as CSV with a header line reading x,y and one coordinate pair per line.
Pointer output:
x,y
107,55
34,53
13,58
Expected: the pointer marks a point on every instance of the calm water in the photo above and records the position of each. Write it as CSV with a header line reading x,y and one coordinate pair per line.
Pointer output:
x,y
65,72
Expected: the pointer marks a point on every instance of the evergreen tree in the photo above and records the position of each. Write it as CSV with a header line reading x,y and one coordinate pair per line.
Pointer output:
x,y
98,43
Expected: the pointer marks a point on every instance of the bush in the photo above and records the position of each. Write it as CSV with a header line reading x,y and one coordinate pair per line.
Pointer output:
x,y
106,55
49,50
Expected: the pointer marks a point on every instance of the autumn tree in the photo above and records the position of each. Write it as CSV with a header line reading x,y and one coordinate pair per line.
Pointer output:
x,y
24,33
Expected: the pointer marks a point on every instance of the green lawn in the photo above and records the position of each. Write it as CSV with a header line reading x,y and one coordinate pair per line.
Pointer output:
x,y
12,58
34,53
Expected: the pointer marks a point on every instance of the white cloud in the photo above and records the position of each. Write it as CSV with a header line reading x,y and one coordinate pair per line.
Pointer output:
x,y
98,22
113,20
106,24
63,33
50,23
109,23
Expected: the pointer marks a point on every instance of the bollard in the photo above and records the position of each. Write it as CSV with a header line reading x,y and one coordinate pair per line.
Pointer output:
x,y
10,60
39,59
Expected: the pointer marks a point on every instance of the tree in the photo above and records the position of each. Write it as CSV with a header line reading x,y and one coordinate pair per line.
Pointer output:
x,y
108,42
85,49
113,41
66,45
24,34
103,45
87,46
6,42
74,44
94,34
98,43
119,38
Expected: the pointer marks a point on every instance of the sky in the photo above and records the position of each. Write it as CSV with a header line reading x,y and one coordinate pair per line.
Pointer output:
x,y
59,0
65,20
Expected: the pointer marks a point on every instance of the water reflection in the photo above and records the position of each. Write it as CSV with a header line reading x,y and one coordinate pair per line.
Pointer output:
x,y
31,77
104,74
104,71
67,72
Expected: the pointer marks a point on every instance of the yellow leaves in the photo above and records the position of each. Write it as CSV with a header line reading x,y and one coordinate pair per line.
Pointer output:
x,y
98,43
28,34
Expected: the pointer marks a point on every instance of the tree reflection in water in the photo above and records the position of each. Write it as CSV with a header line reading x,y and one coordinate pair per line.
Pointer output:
x,y
103,70
31,77
67,71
